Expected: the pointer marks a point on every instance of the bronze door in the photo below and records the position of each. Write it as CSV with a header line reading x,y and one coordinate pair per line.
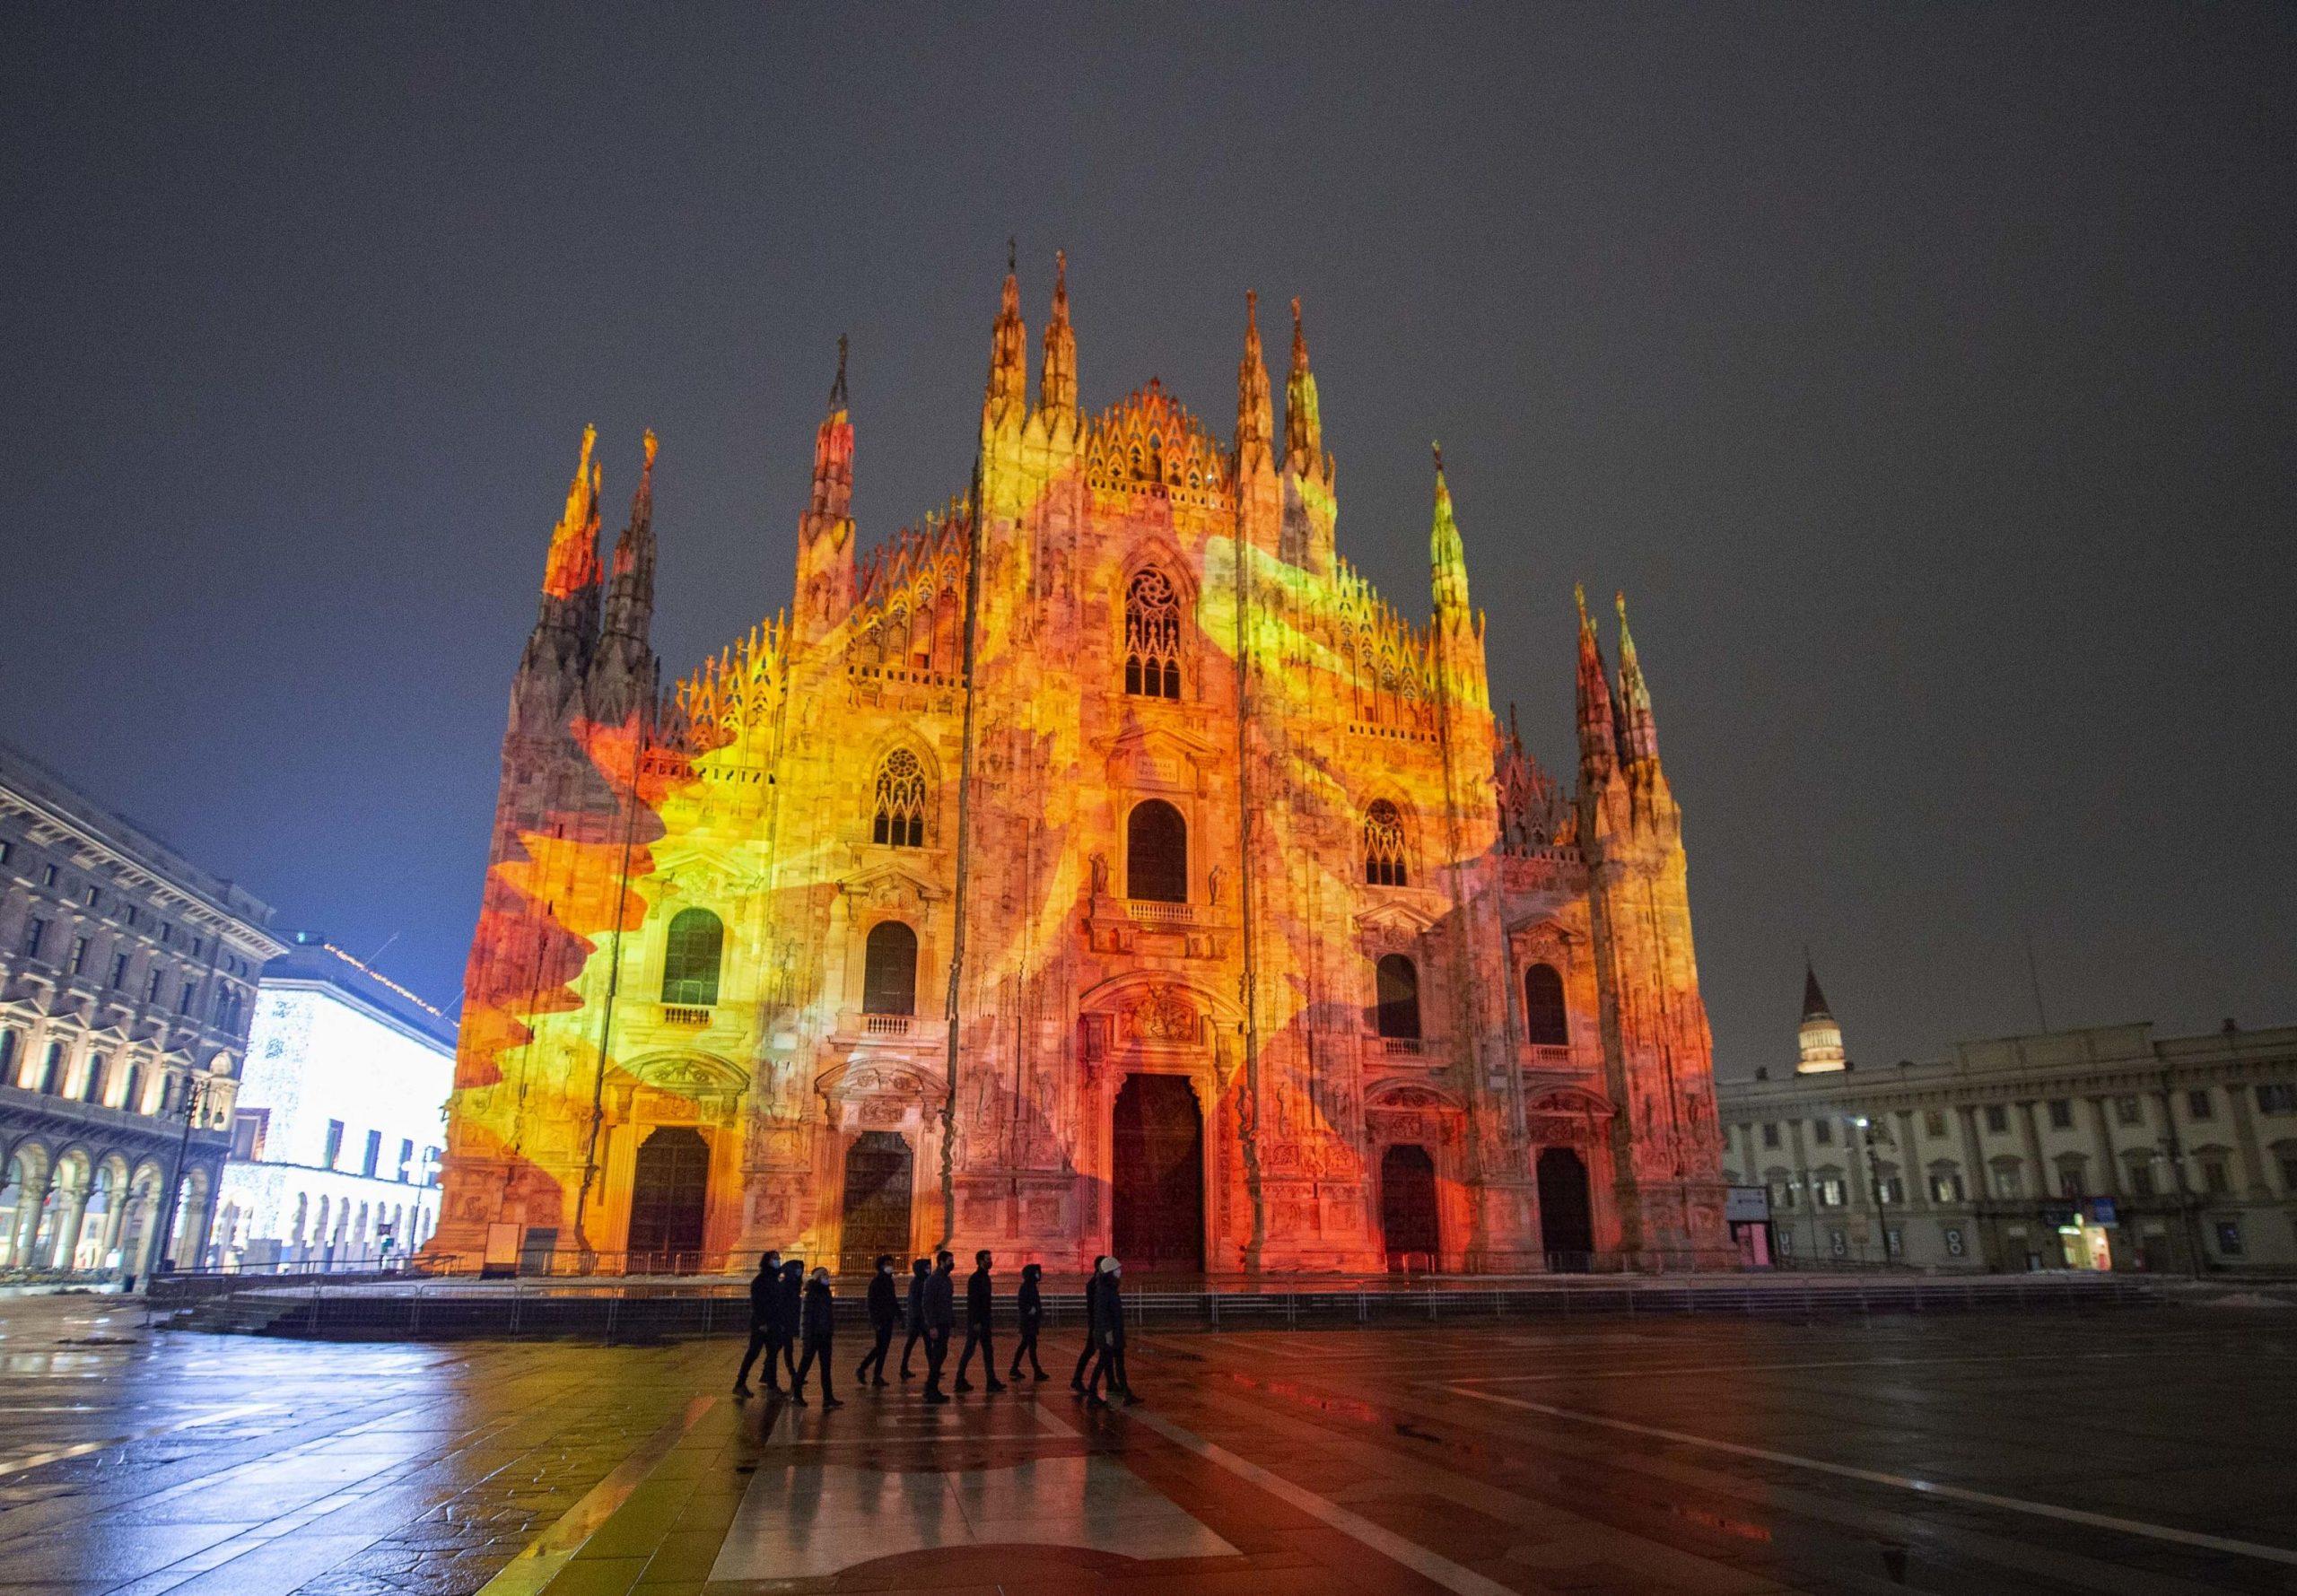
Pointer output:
x,y
1157,1171
667,1201
877,1203
1408,1203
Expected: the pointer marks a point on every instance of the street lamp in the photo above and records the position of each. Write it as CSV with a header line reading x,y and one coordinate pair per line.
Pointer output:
x,y
195,1098
1875,1182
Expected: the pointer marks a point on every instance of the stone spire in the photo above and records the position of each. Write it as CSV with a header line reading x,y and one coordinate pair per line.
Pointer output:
x,y
825,531
1304,425
1598,751
1006,403
1638,733
1057,383
1446,556
570,579
630,599
1255,417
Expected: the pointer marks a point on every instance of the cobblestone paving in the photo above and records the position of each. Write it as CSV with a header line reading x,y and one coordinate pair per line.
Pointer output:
x,y
2131,1451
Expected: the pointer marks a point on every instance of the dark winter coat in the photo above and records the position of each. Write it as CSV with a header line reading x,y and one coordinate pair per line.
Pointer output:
x,y
762,1294
940,1302
917,1301
1109,1327
785,1304
979,1304
1031,1302
818,1311
885,1307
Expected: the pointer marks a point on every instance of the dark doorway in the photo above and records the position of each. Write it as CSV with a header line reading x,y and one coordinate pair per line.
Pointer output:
x,y
668,1200
876,1202
1408,1205
1156,1170
1567,1215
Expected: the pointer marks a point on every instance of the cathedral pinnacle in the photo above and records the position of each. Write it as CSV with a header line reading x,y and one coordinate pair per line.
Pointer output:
x,y
1447,555
1639,732
1303,427
630,599
573,563
1008,355
836,389
1598,751
1057,384
1255,415
833,494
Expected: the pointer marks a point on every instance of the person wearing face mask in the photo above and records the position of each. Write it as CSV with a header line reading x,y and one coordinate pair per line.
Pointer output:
x,y
1091,1346
1031,1305
940,1319
1109,1333
819,1319
918,1271
764,1289
884,1313
980,1308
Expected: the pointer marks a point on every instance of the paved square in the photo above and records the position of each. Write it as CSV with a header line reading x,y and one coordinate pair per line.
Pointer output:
x,y
2131,1451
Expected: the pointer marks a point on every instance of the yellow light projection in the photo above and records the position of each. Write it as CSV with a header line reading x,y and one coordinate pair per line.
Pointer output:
x,y
1101,866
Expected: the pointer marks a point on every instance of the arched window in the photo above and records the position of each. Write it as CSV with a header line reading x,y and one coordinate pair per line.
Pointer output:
x,y
1545,1022
1383,850
51,1073
1398,981
900,801
889,969
1156,853
690,958
1152,636
92,1089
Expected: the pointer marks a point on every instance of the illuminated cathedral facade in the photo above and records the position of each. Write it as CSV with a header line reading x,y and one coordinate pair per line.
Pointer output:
x,y
1100,865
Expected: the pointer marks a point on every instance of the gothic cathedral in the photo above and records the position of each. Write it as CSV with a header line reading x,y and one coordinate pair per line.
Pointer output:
x,y
1101,866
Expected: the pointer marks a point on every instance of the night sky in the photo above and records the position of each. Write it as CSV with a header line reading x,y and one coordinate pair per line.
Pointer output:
x,y
1924,374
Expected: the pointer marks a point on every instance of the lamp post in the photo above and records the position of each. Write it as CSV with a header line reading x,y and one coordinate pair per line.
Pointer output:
x,y
195,1098
1873,1182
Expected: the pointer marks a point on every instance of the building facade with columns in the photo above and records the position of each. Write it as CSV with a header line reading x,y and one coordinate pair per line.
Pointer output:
x,y
127,982
2103,1148
1101,865
340,1123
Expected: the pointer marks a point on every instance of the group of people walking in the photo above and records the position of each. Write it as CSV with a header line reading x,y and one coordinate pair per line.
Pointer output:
x,y
792,1319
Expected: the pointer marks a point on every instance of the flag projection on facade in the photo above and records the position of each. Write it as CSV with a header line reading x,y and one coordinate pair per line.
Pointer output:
x,y
1100,865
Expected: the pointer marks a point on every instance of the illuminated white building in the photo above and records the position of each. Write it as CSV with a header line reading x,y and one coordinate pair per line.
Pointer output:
x,y
335,1143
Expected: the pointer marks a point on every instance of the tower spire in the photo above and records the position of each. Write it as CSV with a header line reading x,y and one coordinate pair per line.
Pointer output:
x,y
572,571
833,492
836,389
1639,732
1446,556
1598,751
1817,1040
825,531
630,600
1057,383
1007,399
1304,426
1255,418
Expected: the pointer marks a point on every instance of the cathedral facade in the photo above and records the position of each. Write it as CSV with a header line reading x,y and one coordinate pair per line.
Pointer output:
x,y
1100,865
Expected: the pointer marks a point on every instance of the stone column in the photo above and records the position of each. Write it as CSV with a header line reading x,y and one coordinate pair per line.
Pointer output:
x,y
115,1218
1914,1178
2253,1187
30,1200
2034,1147
67,1234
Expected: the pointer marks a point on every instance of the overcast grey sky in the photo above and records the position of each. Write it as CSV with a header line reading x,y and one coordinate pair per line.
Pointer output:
x,y
1924,374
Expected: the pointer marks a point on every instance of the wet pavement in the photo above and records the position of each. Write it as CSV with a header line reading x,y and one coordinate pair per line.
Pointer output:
x,y
2131,1451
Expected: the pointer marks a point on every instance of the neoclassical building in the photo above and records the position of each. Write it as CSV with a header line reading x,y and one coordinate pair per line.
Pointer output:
x,y
127,975
1100,865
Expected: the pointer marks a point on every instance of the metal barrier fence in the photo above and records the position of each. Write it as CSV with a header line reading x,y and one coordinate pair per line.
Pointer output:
x,y
622,1310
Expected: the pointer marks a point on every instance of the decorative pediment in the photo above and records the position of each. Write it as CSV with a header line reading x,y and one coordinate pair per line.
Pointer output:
x,y
701,872
854,1079
690,1075
1411,1098
1541,935
1124,996
1570,1100
1157,758
890,886
1397,920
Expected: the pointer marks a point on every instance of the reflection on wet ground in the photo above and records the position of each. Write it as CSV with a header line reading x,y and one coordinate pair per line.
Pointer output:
x,y
2131,1451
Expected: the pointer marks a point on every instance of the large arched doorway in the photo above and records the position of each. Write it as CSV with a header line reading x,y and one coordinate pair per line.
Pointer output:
x,y
878,1178
1157,1175
1567,1215
1408,1205
668,1199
